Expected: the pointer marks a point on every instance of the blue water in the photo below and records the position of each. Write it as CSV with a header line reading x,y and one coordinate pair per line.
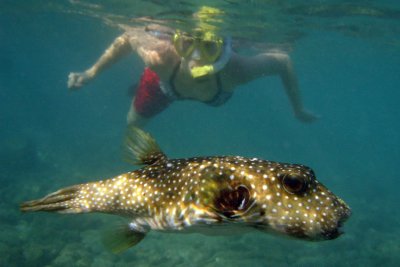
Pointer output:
x,y
51,138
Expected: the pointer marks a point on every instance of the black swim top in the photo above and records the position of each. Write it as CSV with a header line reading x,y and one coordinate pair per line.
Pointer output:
x,y
220,98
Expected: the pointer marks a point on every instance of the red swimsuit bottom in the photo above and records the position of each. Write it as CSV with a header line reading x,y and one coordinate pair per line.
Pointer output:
x,y
150,99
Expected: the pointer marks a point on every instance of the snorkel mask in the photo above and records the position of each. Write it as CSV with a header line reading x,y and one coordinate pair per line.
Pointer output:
x,y
213,50
204,43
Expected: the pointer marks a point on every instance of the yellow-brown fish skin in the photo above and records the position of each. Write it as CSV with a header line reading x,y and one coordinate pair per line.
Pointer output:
x,y
205,194
179,194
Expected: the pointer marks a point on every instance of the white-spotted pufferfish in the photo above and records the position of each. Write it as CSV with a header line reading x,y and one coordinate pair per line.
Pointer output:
x,y
204,194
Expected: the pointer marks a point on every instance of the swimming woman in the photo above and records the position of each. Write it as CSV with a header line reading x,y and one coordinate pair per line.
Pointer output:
x,y
198,66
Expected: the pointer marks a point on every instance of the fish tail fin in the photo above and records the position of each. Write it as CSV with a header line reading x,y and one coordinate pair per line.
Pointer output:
x,y
121,238
62,201
102,196
141,148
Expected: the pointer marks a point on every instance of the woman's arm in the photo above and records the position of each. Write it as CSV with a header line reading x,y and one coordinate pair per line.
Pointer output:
x,y
117,50
274,63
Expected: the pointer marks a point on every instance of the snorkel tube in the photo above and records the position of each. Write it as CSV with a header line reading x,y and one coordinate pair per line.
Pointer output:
x,y
197,72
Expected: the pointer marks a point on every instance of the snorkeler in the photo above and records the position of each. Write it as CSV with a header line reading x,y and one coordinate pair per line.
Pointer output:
x,y
197,66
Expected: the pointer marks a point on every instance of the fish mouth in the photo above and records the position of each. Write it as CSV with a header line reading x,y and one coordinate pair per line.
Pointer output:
x,y
338,230
335,232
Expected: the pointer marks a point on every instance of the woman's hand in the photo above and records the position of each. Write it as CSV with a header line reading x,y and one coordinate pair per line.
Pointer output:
x,y
77,80
306,116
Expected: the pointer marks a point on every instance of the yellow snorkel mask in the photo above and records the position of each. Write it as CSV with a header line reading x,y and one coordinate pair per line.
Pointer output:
x,y
208,45
212,49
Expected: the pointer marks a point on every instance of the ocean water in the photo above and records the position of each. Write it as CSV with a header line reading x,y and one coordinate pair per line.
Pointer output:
x,y
347,58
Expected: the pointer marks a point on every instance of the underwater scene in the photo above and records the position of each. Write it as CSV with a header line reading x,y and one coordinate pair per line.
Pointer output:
x,y
311,87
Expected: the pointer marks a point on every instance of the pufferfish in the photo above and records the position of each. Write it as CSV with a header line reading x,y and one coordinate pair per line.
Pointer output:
x,y
204,194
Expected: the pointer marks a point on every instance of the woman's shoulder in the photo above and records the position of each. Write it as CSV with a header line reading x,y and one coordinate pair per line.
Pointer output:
x,y
159,30
152,31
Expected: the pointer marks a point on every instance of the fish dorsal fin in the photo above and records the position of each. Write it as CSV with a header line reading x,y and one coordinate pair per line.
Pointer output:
x,y
141,148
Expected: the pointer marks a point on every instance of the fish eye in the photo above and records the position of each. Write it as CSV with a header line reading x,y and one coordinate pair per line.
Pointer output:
x,y
294,184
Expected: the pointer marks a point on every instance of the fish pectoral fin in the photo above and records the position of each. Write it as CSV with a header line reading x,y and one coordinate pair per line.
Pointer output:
x,y
141,148
120,239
